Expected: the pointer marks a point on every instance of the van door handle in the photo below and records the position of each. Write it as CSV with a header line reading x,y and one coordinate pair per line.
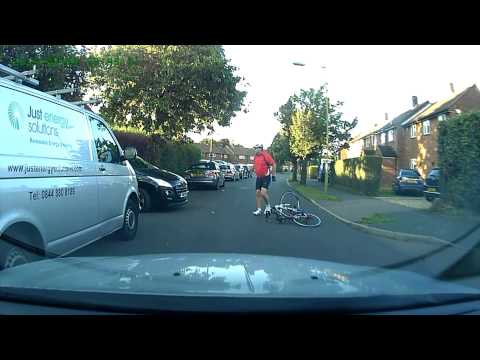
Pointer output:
x,y
102,168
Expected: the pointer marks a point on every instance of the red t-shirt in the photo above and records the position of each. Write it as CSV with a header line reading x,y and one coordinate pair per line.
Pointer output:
x,y
262,162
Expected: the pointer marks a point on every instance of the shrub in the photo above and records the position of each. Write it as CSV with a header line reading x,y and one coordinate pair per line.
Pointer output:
x,y
175,157
362,174
459,158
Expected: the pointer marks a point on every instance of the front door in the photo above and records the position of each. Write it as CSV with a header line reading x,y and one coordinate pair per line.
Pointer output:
x,y
113,175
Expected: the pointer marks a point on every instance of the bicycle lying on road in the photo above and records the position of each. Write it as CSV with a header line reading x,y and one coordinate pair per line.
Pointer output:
x,y
289,209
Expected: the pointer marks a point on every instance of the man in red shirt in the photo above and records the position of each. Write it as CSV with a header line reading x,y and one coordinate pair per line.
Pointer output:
x,y
265,169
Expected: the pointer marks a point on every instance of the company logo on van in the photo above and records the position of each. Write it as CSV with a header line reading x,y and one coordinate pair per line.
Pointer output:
x,y
15,114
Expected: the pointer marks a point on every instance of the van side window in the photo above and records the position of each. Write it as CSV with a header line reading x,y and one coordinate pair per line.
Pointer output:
x,y
107,149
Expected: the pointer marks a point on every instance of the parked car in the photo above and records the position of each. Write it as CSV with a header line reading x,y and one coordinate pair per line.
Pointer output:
x,y
205,174
158,187
230,172
432,184
241,171
221,162
247,171
408,181
64,178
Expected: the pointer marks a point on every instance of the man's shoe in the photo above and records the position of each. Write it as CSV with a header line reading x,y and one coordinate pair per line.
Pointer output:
x,y
257,212
268,210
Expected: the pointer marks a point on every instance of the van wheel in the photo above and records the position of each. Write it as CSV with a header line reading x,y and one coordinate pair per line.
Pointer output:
x,y
145,200
12,258
130,222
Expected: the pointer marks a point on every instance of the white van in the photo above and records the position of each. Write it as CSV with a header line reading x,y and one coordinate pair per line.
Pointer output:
x,y
64,180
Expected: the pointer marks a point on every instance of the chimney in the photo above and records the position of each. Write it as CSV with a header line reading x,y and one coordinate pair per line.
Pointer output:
x,y
452,88
386,116
414,101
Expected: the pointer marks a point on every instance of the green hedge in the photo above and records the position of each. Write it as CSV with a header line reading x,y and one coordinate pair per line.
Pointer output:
x,y
362,174
313,172
459,159
166,155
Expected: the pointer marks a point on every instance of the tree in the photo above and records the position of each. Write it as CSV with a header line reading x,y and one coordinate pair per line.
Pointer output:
x,y
284,116
58,66
304,139
280,149
309,126
168,89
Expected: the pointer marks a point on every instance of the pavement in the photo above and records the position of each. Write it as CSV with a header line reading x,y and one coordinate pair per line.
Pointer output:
x,y
222,221
409,214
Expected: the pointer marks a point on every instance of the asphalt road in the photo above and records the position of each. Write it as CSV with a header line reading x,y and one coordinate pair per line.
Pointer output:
x,y
222,221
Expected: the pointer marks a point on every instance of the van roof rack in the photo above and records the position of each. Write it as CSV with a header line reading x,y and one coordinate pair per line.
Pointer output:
x,y
19,76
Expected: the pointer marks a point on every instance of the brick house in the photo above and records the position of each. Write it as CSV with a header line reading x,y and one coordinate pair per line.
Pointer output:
x,y
243,155
235,154
410,140
386,141
420,147
219,152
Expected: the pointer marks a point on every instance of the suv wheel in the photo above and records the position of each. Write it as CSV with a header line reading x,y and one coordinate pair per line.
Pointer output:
x,y
145,200
130,222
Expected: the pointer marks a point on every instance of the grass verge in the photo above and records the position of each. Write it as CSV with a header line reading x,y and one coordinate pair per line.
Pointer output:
x,y
312,192
377,218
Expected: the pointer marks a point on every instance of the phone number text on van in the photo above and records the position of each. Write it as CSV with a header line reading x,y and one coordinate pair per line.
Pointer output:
x,y
52,193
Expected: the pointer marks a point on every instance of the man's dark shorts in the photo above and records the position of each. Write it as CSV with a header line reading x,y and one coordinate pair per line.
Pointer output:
x,y
262,182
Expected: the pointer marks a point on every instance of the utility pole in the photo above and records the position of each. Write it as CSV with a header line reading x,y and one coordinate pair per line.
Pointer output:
x,y
211,148
327,164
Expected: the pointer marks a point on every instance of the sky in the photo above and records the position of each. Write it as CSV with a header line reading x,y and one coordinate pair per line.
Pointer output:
x,y
370,80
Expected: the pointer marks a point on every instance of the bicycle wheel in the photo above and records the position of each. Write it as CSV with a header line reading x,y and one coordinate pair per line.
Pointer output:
x,y
290,199
307,220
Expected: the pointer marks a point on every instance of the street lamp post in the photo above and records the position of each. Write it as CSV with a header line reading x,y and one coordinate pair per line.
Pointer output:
x,y
325,184
327,124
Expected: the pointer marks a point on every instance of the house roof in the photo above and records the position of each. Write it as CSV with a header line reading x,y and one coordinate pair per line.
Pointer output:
x,y
387,151
397,121
216,148
443,105
241,150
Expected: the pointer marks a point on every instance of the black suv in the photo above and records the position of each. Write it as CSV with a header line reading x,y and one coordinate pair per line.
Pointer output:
x,y
432,184
157,187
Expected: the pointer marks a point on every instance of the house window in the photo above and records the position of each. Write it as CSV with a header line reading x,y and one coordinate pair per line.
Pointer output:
x,y
382,138
413,131
442,117
413,164
390,135
241,157
426,127
225,156
213,155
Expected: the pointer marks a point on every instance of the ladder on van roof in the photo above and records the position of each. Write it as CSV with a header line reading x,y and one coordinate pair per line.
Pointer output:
x,y
22,77
19,77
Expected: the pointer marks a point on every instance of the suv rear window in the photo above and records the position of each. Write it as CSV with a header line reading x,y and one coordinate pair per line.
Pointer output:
x,y
409,174
204,166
